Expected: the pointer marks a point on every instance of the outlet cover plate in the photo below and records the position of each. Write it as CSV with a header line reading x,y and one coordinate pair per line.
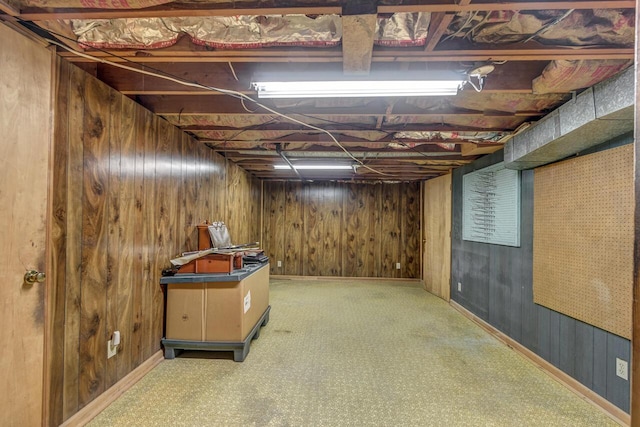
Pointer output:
x,y
112,350
622,369
459,287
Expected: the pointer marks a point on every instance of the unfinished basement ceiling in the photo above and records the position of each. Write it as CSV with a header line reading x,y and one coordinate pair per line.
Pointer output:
x,y
543,54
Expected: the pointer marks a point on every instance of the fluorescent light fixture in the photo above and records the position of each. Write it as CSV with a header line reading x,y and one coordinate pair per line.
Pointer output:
x,y
422,84
314,167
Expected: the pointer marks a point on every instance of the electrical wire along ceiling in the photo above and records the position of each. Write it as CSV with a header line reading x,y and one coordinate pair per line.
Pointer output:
x,y
396,92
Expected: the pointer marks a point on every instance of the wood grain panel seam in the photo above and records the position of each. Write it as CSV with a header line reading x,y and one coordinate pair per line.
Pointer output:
x,y
588,395
93,408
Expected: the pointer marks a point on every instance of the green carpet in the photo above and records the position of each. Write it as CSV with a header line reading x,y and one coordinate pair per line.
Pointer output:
x,y
354,353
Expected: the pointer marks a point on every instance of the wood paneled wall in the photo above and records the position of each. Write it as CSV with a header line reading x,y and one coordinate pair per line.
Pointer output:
x,y
129,189
342,229
437,236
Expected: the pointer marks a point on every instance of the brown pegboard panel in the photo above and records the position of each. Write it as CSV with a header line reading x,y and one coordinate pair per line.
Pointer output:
x,y
583,238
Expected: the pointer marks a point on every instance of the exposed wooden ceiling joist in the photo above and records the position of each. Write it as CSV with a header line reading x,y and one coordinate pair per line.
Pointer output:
x,y
318,138
358,111
438,26
181,10
367,128
387,55
493,5
411,155
201,104
357,43
329,147
325,148
170,10
512,77
353,130
435,159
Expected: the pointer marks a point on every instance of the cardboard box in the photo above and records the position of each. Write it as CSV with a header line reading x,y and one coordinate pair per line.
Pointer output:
x,y
216,311
185,314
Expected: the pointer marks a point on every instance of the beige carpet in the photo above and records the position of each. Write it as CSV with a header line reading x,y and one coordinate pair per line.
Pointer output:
x,y
355,353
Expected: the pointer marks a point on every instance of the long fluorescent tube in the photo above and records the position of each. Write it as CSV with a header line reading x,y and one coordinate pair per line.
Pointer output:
x,y
329,89
317,86
314,167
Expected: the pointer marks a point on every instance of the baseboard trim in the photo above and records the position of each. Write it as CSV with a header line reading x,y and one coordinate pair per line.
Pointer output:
x,y
615,413
93,408
385,279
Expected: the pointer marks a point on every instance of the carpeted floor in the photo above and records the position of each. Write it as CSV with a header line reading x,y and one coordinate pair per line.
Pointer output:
x,y
354,353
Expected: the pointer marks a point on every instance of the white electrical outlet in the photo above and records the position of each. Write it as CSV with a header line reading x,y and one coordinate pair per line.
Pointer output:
x,y
459,287
622,369
279,263
397,266
112,350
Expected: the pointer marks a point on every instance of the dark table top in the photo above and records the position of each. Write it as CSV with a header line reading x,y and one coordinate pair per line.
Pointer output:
x,y
234,276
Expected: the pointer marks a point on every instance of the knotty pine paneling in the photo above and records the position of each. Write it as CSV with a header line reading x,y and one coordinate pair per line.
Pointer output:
x,y
238,214
126,257
274,224
113,223
309,248
331,258
243,205
390,226
369,211
343,229
294,236
128,191
410,220
72,233
93,267
351,231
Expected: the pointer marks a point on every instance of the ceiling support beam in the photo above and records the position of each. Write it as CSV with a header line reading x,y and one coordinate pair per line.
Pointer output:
x,y
174,9
440,23
357,43
182,105
359,19
494,6
323,56
386,116
511,77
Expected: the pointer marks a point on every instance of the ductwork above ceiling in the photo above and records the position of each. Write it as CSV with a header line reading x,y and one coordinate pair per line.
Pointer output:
x,y
597,115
